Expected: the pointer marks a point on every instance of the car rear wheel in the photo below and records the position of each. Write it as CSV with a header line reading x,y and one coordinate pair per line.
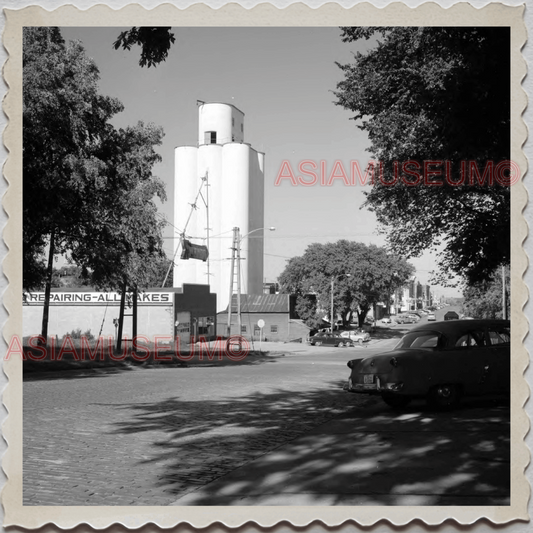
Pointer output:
x,y
318,343
444,396
341,344
395,400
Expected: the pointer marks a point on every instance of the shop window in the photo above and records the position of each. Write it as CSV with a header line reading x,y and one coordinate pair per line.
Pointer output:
x,y
273,329
243,329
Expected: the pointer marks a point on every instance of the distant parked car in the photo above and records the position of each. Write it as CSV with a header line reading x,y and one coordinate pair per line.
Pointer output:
x,y
440,362
405,319
386,320
356,336
431,317
329,339
451,315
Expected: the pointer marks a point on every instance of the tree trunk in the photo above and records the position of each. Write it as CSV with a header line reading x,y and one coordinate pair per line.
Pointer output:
x,y
134,314
121,318
48,287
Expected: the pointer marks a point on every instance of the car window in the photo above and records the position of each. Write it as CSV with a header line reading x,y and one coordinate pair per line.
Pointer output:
x,y
471,339
499,335
420,339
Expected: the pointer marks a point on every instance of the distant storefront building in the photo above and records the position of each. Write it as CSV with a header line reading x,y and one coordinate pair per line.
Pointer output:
x,y
276,311
186,312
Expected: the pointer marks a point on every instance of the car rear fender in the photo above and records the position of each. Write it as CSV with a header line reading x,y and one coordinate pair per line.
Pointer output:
x,y
413,368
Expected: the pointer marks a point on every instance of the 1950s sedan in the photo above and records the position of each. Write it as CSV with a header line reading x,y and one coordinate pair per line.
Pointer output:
x,y
441,362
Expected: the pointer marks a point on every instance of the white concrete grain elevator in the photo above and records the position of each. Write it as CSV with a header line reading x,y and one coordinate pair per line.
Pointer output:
x,y
223,177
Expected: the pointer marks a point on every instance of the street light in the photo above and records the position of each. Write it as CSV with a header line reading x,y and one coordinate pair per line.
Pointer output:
x,y
333,278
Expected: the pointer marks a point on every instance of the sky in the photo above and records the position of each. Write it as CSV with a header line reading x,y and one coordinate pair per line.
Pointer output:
x,y
283,80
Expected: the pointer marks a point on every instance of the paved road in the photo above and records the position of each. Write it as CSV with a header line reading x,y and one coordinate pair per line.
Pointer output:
x,y
146,436
155,436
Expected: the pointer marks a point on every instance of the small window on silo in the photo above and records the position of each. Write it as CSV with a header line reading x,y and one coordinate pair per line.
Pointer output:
x,y
242,128
233,121
210,137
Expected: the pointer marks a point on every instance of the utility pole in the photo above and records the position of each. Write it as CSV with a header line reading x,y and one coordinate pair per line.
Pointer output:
x,y
332,288
504,296
232,276
238,246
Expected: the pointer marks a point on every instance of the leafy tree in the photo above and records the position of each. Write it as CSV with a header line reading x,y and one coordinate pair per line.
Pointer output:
x,y
436,94
154,42
124,244
88,188
484,299
362,275
63,117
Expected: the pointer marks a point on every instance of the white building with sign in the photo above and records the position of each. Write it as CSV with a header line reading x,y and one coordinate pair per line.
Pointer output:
x,y
187,312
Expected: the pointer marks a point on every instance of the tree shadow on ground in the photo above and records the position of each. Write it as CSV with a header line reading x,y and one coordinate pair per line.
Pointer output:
x,y
70,369
39,373
366,454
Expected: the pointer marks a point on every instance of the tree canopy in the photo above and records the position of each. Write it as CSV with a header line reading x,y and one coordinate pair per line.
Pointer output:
x,y
88,187
154,42
436,94
484,299
363,275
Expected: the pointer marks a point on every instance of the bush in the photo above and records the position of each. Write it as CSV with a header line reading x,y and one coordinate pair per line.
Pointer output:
x,y
77,334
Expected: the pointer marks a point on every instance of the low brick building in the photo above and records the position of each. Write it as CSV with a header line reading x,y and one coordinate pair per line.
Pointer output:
x,y
281,322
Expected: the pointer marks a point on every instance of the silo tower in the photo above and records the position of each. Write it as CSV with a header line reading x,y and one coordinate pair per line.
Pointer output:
x,y
219,185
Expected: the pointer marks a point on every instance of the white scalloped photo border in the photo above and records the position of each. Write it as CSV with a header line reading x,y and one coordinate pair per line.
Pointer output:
x,y
266,15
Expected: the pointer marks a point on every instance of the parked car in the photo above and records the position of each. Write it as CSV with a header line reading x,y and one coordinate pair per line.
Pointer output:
x,y
386,320
432,317
405,319
329,339
451,315
359,336
441,362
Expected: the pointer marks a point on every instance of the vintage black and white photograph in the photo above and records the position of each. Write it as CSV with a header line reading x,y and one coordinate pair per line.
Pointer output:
x,y
268,266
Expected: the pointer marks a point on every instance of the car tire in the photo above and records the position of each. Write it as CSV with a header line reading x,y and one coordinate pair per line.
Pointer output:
x,y
444,396
394,400
341,344
360,341
318,343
